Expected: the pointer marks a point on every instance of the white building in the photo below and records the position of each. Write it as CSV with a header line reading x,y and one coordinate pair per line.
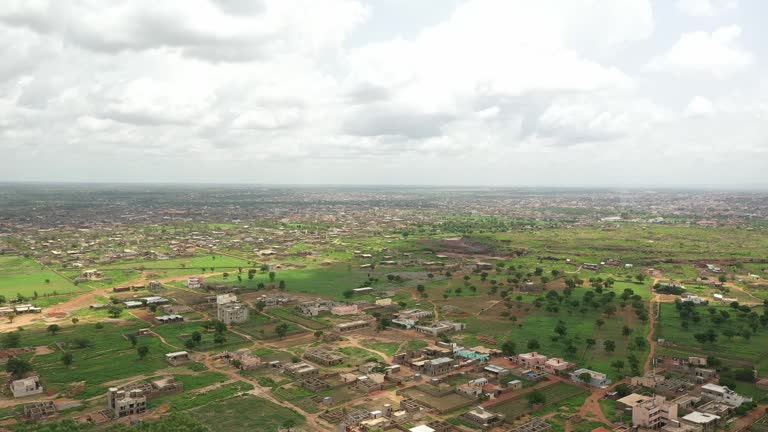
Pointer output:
x,y
226,298
723,394
26,387
230,313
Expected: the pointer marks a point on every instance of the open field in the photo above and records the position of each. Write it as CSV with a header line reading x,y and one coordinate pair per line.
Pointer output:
x,y
24,276
245,413
516,407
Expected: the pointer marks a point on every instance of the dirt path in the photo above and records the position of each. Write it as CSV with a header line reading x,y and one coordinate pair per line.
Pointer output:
x,y
591,407
654,304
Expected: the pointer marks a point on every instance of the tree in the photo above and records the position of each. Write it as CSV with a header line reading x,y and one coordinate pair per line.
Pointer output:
x,y
281,285
561,328
11,316
420,288
609,345
219,338
600,322
190,344
618,365
17,367
67,359
585,377
533,344
272,276
535,398
75,320
626,330
133,339
196,337
508,348
281,330
348,293
288,424
53,329
11,340
318,334
142,351
590,342
115,311
722,278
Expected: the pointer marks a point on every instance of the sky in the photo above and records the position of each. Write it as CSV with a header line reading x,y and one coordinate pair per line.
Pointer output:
x,y
416,92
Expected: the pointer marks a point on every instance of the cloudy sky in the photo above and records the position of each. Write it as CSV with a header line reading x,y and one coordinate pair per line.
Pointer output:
x,y
459,92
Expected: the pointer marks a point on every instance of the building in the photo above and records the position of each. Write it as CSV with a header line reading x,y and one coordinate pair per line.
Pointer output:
x,y
39,410
555,365
168,319
406,323
244,356
704,374
231,313
343,309
301,370
472,388
313,308
226,298
437,366
531,360
701,422
653,412
496,371
414,314
440,328
324,357
723,394
154,300
90,274
483,418
351,326
537,424
26,387
364,290
598,379
194,283
124,403
177,358
384,302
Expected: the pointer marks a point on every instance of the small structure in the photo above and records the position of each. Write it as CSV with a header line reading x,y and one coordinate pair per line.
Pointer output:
x,y
530,360
39,410
723,394
324,357
483,418
177,358
537,424
344,309
314,384
26,387
598,379
130,304
351,326
244,356
440,328
167,319
231,313
301,370
194,283
90,274
702,422
555,365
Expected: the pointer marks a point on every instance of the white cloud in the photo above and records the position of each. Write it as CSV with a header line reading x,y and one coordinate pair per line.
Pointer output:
x,y
718,53
699,107
706,8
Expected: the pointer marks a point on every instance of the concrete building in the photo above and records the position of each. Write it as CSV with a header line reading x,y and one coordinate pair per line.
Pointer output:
x,y
301,370
40,410
701,422
226,298
437,366
124,403
483,418
598,379
324,357
194,283
26,387
344,309
168,319
654,412
351,326
537,424
177,358
555,365
440,328
231,313
723,394
531,360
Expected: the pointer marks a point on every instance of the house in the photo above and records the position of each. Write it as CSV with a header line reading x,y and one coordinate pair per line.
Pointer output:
x,y
231,313
130,304
90,274
473,388
301,370
414,314
653,412
226,298
597,379
530,360
440,328
404,322
702,422
483,418
496,371
697,361
704,374
313,308
194,282
26,387
383,302
723,394
125,403
434,367
177,358
364,290
154,300
351,326
555,365
244,356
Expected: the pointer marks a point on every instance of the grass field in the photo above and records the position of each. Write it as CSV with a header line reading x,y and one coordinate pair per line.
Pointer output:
x,y
245,413
515,408
19,275
177,335
263,327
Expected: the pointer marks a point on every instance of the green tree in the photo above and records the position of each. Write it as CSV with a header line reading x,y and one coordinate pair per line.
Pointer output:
x,y
609,345
318,334
53,329
75,320
196,337
535,397
600,322
133,339
281,285
281,330
585,377
272,276
533,344
142,351
115,311
17,367
508,348
219,338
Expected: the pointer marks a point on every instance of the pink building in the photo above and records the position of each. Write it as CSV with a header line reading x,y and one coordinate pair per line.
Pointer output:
x,y
531,360
554,365
344,310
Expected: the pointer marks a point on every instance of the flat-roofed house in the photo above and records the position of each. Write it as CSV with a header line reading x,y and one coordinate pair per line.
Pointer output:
x,y
26,387
530,360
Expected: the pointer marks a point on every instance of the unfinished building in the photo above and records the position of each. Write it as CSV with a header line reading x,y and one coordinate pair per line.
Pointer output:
x,y
351,326
324,357
124,403
537,424
40,410
232,313
313,383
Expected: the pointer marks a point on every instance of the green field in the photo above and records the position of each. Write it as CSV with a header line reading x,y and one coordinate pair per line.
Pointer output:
x,y
516,407
24,276
177,335
245,413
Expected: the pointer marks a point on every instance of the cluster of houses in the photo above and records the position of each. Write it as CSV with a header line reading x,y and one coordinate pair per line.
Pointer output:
x,y
17,309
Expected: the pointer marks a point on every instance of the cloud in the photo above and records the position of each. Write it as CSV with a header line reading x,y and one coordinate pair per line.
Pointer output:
x,y
699,107
718,53
706,8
